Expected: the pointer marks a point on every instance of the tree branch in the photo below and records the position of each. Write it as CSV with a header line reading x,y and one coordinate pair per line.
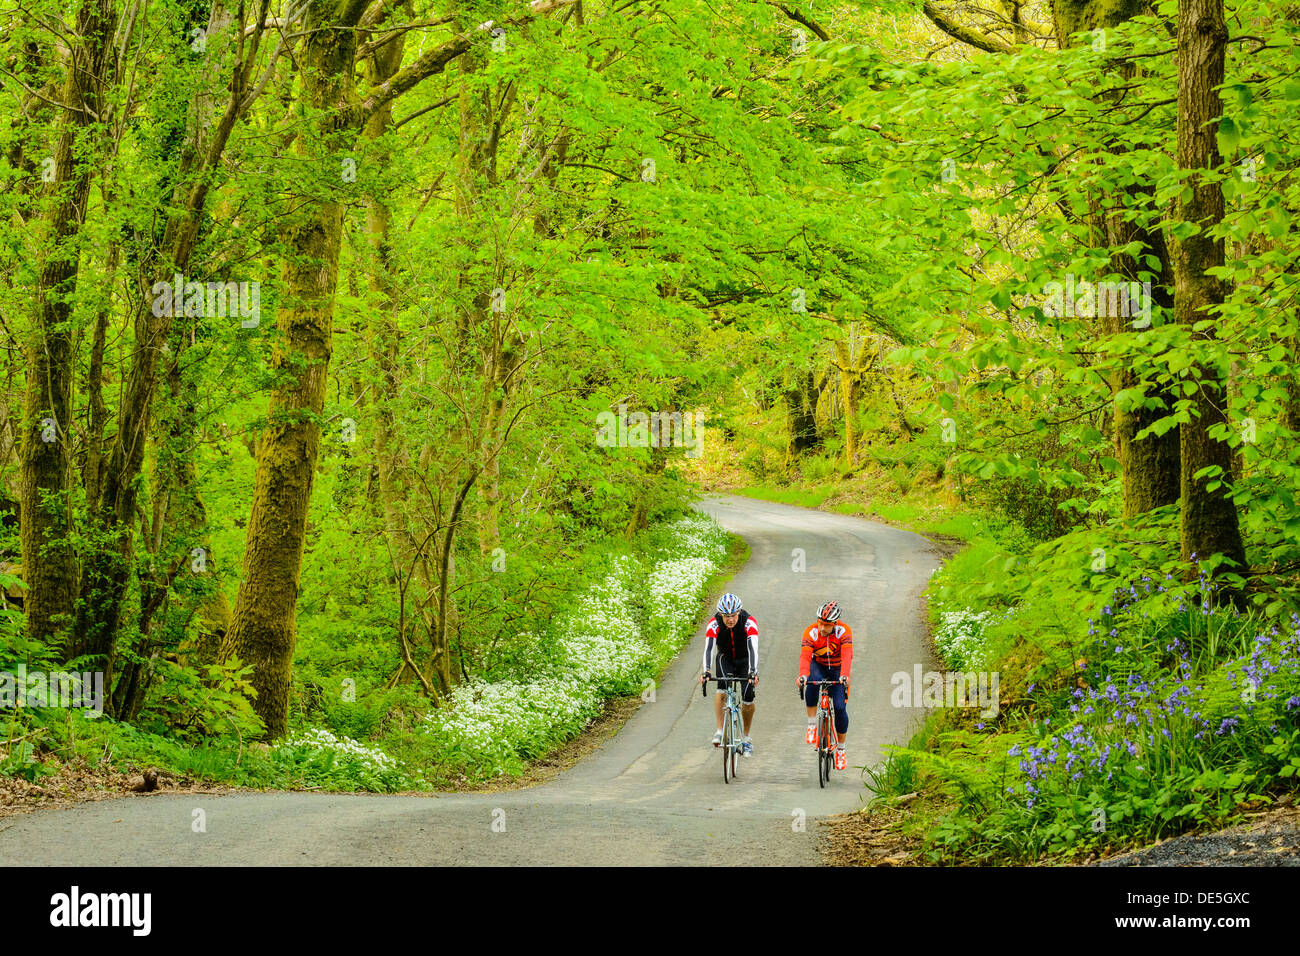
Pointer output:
x,y
798,16
965,34
430,62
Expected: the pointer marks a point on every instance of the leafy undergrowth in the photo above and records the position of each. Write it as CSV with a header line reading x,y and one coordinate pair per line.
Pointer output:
x,y
613,641
1165,711
89,754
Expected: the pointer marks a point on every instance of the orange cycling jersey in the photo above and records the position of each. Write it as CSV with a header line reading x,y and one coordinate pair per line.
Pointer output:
x,y
834,650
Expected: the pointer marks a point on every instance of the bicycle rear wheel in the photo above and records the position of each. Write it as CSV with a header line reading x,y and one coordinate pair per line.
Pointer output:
x,y
726,750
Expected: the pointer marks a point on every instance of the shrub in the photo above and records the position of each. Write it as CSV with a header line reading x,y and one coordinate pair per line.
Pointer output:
x,y
959,637
318,758
194,705
1181,711
818,468
617,635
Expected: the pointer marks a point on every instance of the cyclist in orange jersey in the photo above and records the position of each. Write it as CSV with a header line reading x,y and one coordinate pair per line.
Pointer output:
x,y
826,653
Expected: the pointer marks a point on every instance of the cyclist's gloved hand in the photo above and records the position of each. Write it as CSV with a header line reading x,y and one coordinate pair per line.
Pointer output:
x,y
754,677
705,677
800,682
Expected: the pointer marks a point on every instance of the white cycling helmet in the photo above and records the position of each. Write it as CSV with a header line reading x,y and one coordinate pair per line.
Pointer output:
x,y
829,612
728,604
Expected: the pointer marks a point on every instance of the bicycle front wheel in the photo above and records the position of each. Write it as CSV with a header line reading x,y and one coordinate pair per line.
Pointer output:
x,y
736,737
727,771
823,752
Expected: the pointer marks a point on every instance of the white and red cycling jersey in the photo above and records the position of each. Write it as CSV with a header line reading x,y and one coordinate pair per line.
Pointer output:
x,y
739,644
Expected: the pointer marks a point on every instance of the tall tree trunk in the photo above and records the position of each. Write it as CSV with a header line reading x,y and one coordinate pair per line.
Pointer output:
x,y
851,358
1209,517
800,396
109,568
484,315
408,548
1150,466
264,628
501,378
94,471
182,517
48,561
1291,409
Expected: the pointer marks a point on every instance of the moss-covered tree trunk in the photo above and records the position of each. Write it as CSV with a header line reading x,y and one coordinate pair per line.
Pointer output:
x,y
408,537
1150,466
264,627
109,568
383,339
49,566
1291,410
181,516
1074,16
93,475
800,397
1208,523
851,359
485,306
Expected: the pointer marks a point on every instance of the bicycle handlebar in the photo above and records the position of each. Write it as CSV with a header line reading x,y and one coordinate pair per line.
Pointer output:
x,y
818,683
705,681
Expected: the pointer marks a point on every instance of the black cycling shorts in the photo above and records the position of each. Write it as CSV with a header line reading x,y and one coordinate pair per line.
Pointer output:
x,y
726,667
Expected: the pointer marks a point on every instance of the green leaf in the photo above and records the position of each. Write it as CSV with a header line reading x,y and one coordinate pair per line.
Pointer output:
x,y
1229,135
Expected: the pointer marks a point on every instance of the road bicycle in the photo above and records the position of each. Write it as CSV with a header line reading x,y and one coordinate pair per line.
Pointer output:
x,y
827,739
733,737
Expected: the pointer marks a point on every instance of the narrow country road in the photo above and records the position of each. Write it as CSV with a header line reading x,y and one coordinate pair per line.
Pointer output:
x,y
652,795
